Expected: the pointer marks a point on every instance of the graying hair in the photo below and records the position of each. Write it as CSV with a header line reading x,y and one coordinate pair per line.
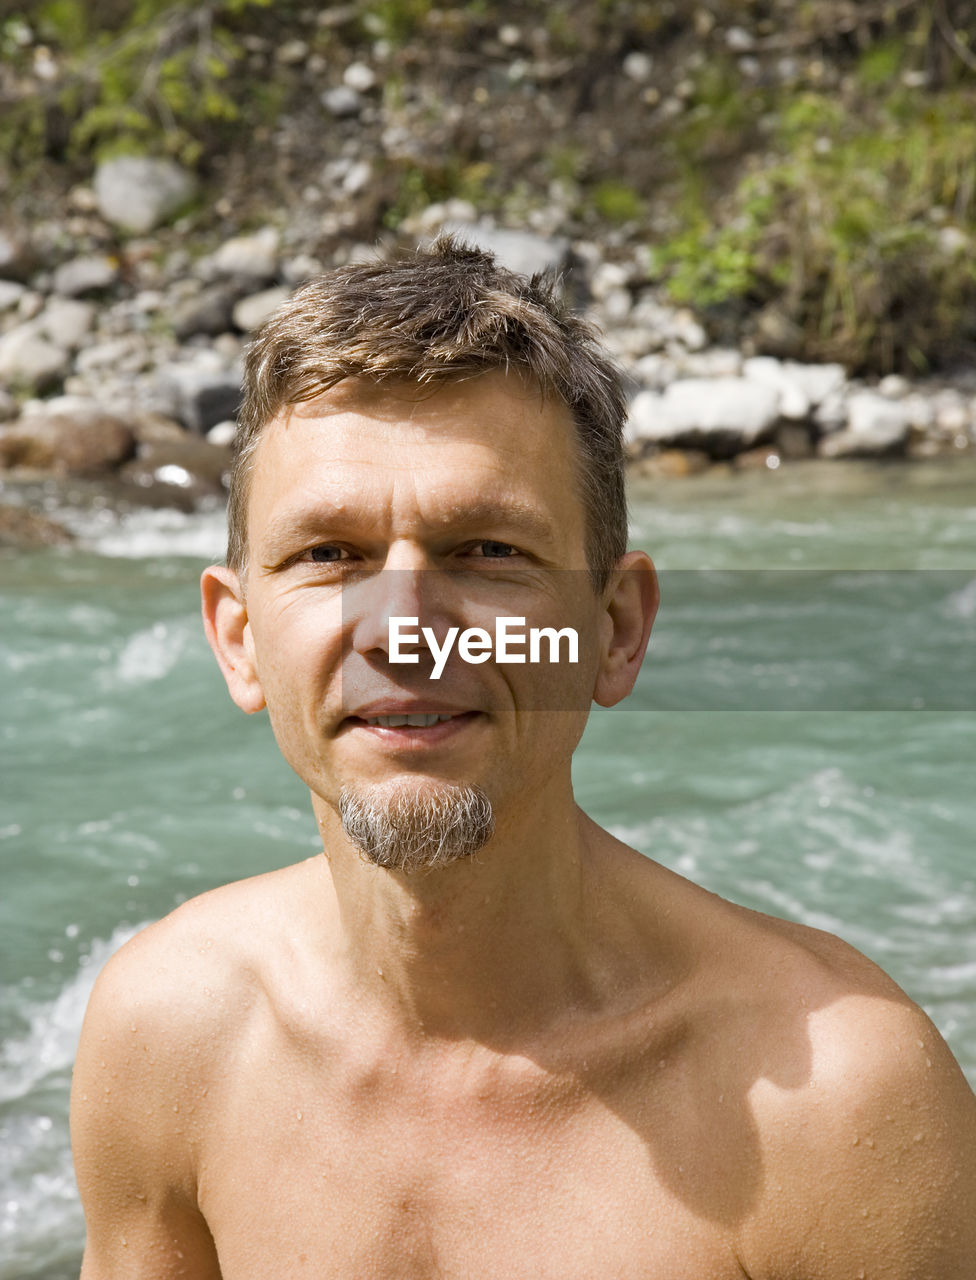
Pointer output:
x,y
441,314
417,831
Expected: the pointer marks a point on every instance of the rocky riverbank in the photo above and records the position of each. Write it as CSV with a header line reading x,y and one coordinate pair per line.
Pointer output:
x,y
121,366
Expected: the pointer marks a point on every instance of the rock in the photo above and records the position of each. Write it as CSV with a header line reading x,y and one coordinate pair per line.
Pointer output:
x,y
519,251
17,258
224,433
203,396
876,427
638,66
793,441
723,416
251,312
88,273
292,52
79,443
138,193
674,463
342,101
208,312
10,294
816,381
794,403
359,77
686,330
894,386
30,361
66,321
253,257
952,416
22,529
117,355
764,458
189,463
8,406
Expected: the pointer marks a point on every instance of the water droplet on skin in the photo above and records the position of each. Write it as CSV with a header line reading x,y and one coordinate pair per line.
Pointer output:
x,y
856,1140
870,1142
298,1115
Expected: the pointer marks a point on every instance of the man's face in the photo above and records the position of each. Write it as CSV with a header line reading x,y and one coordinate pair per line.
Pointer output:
x,y
453,506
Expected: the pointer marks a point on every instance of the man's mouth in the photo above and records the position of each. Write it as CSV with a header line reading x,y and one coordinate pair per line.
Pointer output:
x,y
413,721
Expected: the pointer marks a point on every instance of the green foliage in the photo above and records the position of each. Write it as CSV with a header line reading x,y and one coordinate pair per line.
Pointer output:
x,y
395,20
154,76
419,185
839,230
617,202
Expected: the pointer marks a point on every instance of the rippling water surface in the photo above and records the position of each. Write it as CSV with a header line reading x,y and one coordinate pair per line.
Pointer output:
x,y
129,781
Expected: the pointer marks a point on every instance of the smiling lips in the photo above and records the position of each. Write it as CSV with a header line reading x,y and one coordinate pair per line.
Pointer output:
x,y
414,721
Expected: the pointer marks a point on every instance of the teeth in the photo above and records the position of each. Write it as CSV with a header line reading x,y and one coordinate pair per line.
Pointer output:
x,y
414,721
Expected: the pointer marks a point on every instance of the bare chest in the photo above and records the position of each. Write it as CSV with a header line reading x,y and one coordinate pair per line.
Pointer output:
x,y
379,1178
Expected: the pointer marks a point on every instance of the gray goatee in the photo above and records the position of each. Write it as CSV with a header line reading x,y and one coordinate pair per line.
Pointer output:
x,y
417,830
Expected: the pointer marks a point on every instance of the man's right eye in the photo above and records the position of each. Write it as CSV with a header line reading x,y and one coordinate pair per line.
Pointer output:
x,y
327,553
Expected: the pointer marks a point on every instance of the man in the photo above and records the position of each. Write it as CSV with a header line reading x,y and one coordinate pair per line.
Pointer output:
x,y
480,1037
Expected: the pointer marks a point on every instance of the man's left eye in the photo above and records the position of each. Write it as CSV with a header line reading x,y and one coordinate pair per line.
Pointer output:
x,y
491,550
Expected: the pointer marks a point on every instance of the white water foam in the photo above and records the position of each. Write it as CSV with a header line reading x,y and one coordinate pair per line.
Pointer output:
x,y
143,534
40,1217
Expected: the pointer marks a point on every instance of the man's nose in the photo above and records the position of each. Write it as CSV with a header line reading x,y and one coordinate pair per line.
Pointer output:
x,y
392,593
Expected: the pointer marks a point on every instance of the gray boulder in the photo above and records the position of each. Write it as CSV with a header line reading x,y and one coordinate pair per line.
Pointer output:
x,y
137,193
17,258
203,396
67,322
254,257
209,311
251,312
79,443
30,361
88,273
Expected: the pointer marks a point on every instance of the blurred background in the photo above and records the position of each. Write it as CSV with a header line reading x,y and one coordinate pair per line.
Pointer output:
x,y
768,209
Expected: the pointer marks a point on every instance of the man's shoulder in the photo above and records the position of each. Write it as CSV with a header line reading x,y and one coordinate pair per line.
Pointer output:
x,y
194,974
865,1122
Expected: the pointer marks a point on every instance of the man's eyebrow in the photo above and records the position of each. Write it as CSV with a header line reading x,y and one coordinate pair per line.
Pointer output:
x,y
287,529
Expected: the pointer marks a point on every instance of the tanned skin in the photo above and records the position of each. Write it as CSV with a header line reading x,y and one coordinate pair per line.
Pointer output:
x,y
556,1060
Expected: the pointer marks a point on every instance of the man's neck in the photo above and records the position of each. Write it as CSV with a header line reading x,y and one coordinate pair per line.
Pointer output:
x,y
490,948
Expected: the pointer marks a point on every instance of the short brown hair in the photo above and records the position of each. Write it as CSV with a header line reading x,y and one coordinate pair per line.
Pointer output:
x,y
439,314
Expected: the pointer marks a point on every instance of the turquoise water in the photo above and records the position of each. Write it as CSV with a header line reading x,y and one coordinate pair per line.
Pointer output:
x,y
130,782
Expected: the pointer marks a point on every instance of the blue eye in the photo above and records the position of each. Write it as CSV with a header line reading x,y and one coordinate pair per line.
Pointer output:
x,y
496,550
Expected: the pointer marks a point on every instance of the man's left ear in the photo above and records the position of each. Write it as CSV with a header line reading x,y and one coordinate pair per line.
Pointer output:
x,y
633,597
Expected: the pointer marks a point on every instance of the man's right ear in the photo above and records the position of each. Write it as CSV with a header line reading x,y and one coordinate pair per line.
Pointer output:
x,y
229,633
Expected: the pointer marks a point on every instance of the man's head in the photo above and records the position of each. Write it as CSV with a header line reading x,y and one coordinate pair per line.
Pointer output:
x,y
443,314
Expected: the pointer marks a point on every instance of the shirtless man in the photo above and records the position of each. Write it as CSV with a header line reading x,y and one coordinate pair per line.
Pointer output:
x,y
480,1037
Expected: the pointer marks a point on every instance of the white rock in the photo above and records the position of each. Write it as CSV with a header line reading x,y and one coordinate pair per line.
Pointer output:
x,y
952,417
647,419
10,294
722,414
739,40
606,278
794,403
137,193
66,321
359,76
638,66
953,241
251,312
28,360
733,405
816,381
876,426
655,370
301,268
254,256
894,386
616,306
222,433
85,274
342,101
358,177
920,410
714,362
